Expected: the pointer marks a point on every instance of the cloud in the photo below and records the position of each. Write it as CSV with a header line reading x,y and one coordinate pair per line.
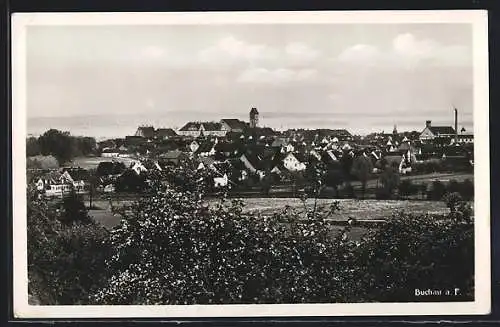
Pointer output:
x,y
360,53
230,49
409,46
152,52
276,76
408,51
297,52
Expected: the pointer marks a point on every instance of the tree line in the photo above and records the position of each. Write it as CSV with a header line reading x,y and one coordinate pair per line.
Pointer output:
x,y
62,145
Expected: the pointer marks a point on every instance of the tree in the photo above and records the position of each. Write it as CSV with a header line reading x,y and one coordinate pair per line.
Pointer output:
x,y
86,145
407,188
66,262
389,180
130,181
57,143
346,162
467,189
266,183
104,168
419,252
72,209
436,191
93,184
362,168
334,178
453,186
32,147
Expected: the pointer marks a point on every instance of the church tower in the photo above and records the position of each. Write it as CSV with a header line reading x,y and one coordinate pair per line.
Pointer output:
x,y
254,118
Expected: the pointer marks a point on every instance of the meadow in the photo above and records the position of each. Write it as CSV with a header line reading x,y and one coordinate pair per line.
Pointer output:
x,y
93,162
349,208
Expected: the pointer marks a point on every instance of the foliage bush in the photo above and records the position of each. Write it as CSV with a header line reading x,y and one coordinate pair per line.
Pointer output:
x,y
416,252
436,191
61,145
42,162
467,190
172,248
382,193
66,261
407,188
347,191
428,166
130,181
389,179
362,168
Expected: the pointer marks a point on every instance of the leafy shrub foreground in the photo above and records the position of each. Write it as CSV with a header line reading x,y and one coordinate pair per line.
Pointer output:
x,y
66,257
173,249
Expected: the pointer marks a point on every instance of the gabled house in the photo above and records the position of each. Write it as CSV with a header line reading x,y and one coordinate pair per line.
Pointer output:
x,y
221,181
233,125
197,129
292,163
138,167
79,176
167,145
238,169
315,154
152,165
165,133
279,142
194,146
145,132
206,149
206,162
172,157
58,183
251,163
431,132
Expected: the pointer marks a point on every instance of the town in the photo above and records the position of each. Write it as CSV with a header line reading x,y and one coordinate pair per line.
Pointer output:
x,y
248,159
236,178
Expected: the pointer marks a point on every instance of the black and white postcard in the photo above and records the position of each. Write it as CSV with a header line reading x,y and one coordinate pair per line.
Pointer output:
x,y
250,164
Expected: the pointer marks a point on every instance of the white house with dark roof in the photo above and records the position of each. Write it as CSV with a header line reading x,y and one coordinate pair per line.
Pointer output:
x,y
292,163
431,132
196,129
58,183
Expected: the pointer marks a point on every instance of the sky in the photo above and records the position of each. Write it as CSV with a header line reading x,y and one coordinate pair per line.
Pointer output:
x,y
99,80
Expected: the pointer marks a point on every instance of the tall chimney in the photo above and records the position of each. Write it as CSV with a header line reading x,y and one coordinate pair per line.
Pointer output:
x,y
427,123
456,126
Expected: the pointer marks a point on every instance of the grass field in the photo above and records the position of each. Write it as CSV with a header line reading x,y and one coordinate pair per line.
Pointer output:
x,y
93,162
349,208
425,178
359,209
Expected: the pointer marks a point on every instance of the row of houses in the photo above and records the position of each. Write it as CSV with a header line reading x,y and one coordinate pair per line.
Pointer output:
x,y
61,182
234,163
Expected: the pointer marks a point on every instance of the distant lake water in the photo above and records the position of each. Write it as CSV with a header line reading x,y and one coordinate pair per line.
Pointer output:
x,y
112,126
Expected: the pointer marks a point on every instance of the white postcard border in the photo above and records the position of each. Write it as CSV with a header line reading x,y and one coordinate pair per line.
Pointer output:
x,y
481,305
